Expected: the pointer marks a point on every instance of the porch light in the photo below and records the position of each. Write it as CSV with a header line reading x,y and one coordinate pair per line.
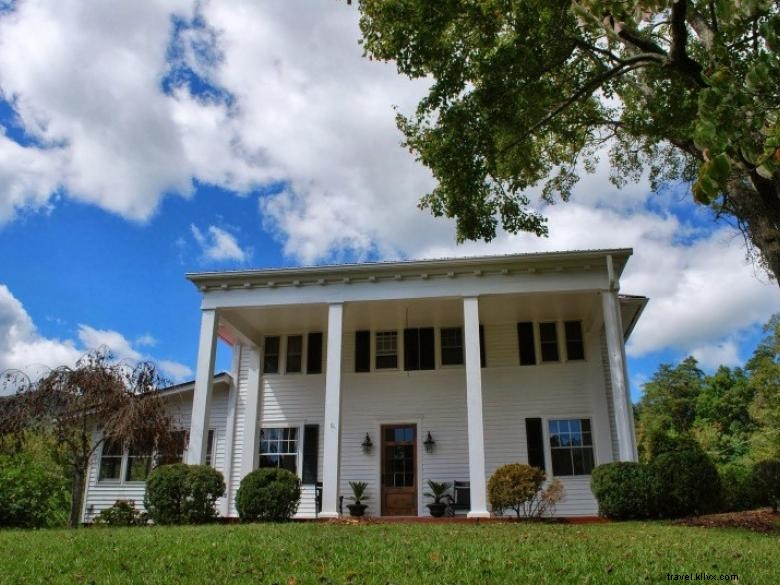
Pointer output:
x,y
367,444
429,443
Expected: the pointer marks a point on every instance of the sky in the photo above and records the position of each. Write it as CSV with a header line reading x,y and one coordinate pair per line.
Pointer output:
x,y
143,140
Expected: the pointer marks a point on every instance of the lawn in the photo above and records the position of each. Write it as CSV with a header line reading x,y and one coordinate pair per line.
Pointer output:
x,y
386,553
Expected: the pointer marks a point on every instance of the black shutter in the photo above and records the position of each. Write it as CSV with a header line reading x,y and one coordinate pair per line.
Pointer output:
x,y
311,448
574,345
535,442
525,341
314,354
362,351
482,359
427,359
411,349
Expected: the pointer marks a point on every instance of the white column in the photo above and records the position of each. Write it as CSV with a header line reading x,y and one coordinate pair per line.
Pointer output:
x,y
204,381
617,371
332,430
474,409
251,445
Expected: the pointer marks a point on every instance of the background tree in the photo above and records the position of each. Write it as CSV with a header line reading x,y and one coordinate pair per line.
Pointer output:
x,y
527,92
84,406
764,369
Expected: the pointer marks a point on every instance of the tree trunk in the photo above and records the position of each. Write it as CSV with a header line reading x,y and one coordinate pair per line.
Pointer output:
x,y
76,493
756,205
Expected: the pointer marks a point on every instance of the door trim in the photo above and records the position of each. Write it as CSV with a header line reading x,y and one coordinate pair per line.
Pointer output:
x,y
416,423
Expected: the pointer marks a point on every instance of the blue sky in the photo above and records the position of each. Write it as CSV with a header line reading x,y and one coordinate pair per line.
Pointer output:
x,y
140,142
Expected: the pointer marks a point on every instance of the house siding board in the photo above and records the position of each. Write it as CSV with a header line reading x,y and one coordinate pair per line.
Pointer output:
x,y
240,422
100,495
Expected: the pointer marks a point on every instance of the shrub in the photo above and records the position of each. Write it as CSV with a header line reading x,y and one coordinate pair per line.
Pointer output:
x,y
624,490
688,484
268,494
657,442
767,479
33,493
513,486
181,494
738,488
122,513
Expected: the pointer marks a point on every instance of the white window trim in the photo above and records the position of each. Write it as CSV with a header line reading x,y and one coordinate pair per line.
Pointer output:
x,y
298,446
399,349
439,364
548,448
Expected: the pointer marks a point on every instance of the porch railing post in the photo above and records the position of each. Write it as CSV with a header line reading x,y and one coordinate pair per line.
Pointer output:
x,y
476,435
332,430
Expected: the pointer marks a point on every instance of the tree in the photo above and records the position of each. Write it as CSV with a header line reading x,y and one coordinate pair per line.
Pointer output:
x,y
764,370
526,91
72,403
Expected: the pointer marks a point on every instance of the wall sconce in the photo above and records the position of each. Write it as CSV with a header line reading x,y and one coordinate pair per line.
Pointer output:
x,y
429,443
367,444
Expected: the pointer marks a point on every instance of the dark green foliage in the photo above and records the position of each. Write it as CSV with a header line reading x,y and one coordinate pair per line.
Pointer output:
x,y
767,479
625,490
657,442
688,484
121,513
738,488
33,491
182,494
268,494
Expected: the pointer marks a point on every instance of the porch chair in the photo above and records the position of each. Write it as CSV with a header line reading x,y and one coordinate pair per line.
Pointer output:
x,y
461,498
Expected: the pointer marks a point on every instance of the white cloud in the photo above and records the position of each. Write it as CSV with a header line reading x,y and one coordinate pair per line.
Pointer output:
x,y
307,110
218,245
724,353
22,347
146,340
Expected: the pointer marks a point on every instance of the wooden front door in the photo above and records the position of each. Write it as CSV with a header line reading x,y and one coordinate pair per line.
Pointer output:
x,y
399,470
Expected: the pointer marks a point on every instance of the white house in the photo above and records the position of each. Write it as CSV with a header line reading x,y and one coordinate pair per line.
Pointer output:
x,y
394,373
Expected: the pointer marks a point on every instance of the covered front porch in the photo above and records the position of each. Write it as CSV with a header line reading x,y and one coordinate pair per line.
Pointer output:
x,y
363,409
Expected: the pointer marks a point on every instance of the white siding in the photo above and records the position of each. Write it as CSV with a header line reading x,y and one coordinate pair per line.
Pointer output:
x,y
240,418
102,494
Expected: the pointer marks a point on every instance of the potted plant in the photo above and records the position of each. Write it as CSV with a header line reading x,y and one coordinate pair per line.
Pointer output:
x,y
357,508
438,491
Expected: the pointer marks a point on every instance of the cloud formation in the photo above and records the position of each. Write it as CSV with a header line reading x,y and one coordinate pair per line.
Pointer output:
x,y
129,102
22,347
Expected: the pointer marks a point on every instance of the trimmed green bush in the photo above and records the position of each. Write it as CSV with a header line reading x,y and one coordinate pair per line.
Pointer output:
x,y
268,494
624,490
688,484
512,486
767,479
183,494
122,513
738,489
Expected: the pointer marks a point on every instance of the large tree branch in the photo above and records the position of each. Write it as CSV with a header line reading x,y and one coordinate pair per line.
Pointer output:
x,y
702,28
678,51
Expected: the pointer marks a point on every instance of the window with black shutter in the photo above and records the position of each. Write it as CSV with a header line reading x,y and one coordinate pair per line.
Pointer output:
x,y
525,341
311,447
294,361
419,349
535,442
451,346
548,341
314,354
575,348
362,351
482,349
271,355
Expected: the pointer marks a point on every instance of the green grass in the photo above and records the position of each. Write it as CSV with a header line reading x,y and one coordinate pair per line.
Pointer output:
x,y
386,553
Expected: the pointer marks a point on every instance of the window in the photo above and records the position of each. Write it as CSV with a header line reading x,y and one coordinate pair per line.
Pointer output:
x,y
418,349
452,346
314,354
139,464
279,448
525,341
210,448
575,349
176,450
294,354
571,447
386,350
362,351
548,339
271,355
535,442
110,461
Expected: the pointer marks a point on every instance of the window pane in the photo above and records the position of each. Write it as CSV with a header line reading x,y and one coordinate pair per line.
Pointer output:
x,y
571,446
279,448
110,461
294,353
271,355
386,349
574,345
561,460
452,346
548,337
